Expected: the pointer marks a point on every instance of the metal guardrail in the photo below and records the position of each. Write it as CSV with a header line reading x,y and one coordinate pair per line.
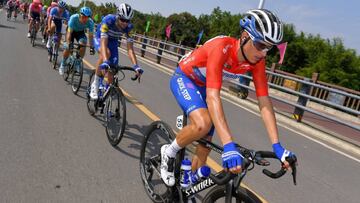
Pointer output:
x,y
305,88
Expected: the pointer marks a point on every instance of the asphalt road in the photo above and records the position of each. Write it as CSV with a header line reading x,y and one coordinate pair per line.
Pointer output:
x,y
52,150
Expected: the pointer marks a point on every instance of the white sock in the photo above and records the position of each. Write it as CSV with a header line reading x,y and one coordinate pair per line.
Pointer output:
x,y
173,149
48,43
96,80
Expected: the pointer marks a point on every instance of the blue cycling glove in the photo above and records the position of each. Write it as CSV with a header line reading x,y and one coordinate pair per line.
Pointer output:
x,y
104,65
138,69
231,156
281,152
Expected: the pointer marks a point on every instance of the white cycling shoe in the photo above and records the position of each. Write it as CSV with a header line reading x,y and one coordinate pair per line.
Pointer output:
x,y
167,167
61,69
94,91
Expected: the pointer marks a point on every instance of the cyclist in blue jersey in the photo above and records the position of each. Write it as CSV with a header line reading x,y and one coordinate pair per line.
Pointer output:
x,y
106,42
58,16
77,26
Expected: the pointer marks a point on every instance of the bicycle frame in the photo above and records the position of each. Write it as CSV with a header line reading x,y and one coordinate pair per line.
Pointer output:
x,y
232,181
231,185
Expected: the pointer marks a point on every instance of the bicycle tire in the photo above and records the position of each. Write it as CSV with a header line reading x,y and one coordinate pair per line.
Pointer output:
x,y
242,195
68,69
115,116
33,36
91,104
76,77
55,53
165,135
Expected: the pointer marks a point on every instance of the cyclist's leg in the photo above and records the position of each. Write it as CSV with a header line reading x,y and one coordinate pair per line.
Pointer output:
x,y
98,72
37,21
31,22
202,152
114,57
66,53
51,32
82,40
189,97
200,156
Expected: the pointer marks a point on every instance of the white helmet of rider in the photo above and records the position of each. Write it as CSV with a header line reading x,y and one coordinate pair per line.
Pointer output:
x,y
125,11
263,25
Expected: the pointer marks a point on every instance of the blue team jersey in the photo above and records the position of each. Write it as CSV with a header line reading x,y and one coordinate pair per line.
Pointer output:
x,y
108,29
54,12
75,25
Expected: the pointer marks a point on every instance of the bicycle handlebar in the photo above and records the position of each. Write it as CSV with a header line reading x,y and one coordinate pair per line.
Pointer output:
x,y
292,161
136,77
252,156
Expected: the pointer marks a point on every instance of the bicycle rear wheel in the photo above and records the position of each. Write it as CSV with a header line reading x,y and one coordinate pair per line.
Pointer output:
x,y
158,134
76,76
241,195
115,116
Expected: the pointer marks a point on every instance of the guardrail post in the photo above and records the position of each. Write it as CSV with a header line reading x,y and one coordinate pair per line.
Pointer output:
x,y
145,41
305,89
160,51
314,78
272,69
182,53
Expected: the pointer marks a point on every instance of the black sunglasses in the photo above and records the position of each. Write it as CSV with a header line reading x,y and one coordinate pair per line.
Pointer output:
x,y
124,20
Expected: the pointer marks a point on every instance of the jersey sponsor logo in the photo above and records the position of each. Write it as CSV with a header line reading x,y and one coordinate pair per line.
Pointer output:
x,y
229,75
199,187
226,48
104,28
183,90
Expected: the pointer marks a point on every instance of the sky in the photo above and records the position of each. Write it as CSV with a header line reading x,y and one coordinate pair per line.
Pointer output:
x,y
329,18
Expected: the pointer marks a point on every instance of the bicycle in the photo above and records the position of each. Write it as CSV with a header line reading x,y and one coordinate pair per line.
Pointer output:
x,y
54,50
33,32
8,13
74,68
227,185
112,99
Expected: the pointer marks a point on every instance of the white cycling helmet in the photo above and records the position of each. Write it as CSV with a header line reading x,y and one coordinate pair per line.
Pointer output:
x,y
125,11
263,25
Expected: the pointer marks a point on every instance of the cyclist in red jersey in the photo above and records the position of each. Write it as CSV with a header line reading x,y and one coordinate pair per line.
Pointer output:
x,y
34,15
197,82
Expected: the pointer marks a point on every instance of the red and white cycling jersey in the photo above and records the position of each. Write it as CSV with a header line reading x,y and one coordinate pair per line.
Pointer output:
x,y
217,60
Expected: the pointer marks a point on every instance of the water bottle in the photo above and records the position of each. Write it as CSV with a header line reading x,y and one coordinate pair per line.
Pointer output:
x,y
201,173
185,172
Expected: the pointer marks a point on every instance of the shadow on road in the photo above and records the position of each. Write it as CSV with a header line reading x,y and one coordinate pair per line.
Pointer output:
x,y
8,27
137,137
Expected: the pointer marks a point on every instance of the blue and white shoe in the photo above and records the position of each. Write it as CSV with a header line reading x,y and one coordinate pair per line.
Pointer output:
x,y
167,167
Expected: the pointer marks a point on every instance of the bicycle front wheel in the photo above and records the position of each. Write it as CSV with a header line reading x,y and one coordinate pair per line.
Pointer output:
x,y
55,55
115,116
33,36
76,76
68,69
158,134
241,195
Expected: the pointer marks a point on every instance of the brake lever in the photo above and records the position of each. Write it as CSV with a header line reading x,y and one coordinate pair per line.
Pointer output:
x,y
292,161
136,77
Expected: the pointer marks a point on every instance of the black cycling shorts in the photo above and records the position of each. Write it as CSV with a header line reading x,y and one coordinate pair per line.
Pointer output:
x,y
35,16
79,36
